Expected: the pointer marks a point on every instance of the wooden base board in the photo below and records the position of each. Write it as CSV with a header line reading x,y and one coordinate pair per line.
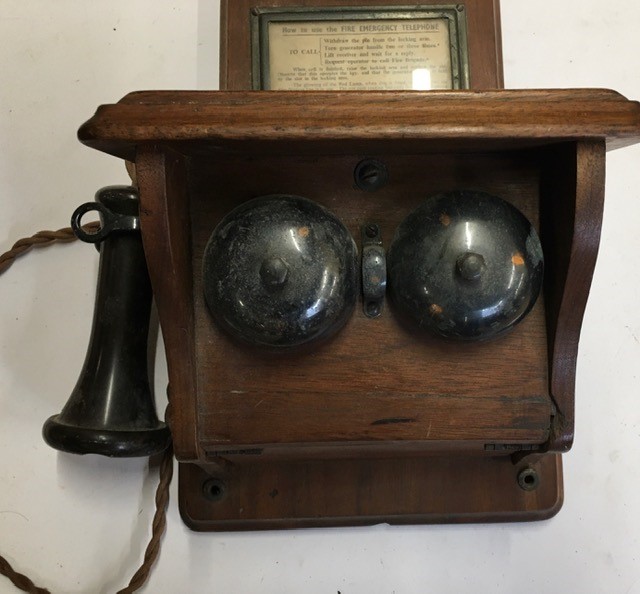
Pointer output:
x,y
270,495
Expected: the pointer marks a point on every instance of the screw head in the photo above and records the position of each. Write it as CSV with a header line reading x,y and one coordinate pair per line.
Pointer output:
x,y
528,479
373,309
274,272
371,230
371,175
470,266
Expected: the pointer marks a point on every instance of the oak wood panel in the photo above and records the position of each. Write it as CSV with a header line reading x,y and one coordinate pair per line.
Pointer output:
x,y
483,25
194,97
485,32
377,379
276,495
164,223
346,122
573,188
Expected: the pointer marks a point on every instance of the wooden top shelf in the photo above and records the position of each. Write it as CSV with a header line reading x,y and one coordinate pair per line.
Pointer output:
x,y
336,122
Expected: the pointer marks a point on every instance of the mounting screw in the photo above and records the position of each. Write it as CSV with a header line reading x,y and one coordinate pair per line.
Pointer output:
x,y
274,273
470,266
373,309
371,175
528,479
213,489
371,230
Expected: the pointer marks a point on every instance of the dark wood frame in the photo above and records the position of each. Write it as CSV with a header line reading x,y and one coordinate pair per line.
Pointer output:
x,y
176,137
483,29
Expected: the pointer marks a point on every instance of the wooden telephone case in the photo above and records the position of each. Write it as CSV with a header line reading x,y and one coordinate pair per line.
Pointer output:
x,y
381,423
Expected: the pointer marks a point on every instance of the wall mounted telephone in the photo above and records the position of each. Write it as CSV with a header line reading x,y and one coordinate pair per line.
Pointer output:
x,y
377,291
348,291
397,406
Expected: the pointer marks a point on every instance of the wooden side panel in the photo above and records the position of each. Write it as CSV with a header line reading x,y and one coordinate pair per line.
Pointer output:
x,y
497,20
572,206
485,44
164,220
483,22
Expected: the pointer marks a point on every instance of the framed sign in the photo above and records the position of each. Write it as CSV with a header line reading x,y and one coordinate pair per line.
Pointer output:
x,y
351,48
360,45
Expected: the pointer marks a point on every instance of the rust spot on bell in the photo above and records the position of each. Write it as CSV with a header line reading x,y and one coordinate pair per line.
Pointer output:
x,y
435,309
303,231
445,219
517,259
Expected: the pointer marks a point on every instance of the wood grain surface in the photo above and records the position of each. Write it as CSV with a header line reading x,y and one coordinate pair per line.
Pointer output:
x,y
310,122
573,188
165,229
277,495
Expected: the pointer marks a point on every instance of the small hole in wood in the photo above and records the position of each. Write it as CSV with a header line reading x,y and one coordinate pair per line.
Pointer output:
x,y
213,489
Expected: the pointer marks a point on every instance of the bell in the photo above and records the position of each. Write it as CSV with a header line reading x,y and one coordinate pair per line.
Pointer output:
x,y
280,271
111,410
465,265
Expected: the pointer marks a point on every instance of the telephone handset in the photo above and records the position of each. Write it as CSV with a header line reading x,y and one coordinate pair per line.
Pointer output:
x,y
111,409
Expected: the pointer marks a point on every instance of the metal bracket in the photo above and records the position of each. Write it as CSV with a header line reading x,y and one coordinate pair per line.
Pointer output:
x,y
110,221
374,270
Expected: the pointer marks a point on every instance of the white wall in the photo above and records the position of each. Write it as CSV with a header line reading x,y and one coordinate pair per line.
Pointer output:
x,y
79,524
